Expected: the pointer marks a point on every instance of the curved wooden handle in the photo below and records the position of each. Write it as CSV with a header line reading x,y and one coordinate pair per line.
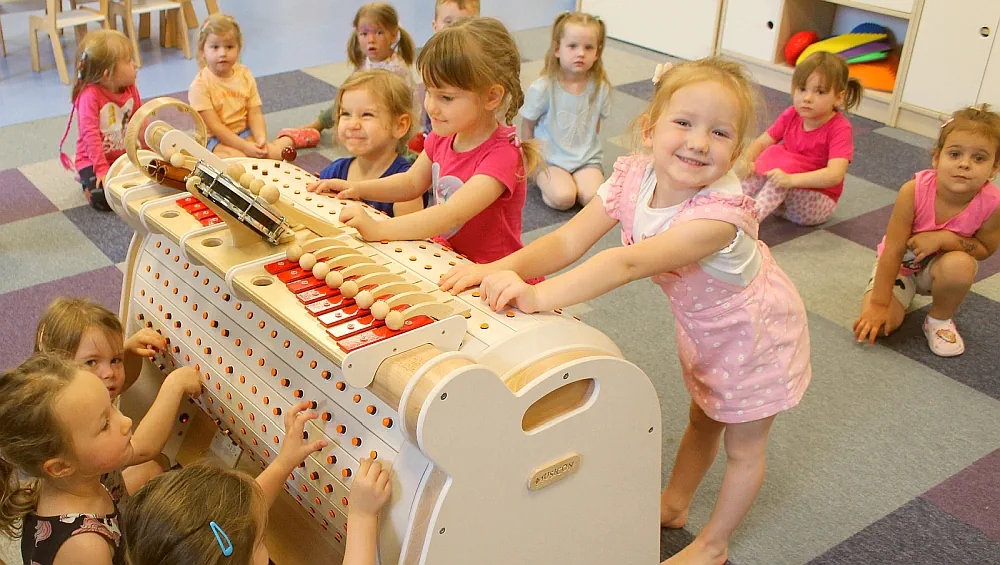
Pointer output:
x,y
135,126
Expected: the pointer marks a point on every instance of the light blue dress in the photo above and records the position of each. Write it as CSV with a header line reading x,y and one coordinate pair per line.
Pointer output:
x,y
566,124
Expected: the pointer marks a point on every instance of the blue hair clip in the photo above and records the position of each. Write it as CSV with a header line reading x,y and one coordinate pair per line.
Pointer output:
x,y
220,536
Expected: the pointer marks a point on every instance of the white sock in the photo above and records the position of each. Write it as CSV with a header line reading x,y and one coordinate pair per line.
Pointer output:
x,y
935,321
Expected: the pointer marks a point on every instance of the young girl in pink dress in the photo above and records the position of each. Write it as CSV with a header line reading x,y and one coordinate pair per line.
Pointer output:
x,y
802,178
945,220
741,326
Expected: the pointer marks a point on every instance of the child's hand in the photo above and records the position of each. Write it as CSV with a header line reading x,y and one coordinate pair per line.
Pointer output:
x,y
743,168
294,449
370,489
145,343
505,287
344,190
354,215
780,179
925,244
872,319
186,379
461,277
253,150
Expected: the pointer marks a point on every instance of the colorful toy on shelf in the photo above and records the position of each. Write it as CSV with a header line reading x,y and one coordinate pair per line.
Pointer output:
x,y
840,43
797,44
878,75
497,426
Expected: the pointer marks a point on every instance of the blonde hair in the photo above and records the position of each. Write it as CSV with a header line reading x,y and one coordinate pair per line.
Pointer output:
x,y
168,520
979,120
99,53
596,73
65,320
383,15
464,5
475,54
30,434
716,69
391,93
833,71
217,24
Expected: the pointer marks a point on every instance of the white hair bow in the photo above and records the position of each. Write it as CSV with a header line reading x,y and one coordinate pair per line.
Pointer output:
x,y
661,69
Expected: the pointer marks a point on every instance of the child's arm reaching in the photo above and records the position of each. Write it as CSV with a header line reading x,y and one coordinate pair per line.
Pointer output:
x,y
294,450
682,244
153,430
143,343
745,165
393,188
472,198
543,256
876,316
369,493
830,175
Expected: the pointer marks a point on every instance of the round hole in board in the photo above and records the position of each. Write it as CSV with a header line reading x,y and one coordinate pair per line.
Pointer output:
x,y
441,531
212,242
129,185
565,376
650,430
262,281
770,25
170,214
444,396
984,31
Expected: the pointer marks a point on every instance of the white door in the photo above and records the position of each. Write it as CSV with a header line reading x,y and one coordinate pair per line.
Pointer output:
x,y
751,28
677,27
950,54
989,93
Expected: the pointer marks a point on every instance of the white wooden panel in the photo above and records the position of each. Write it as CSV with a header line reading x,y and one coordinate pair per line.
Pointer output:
x,y
898,5
751,27
950,54
679,28
990,90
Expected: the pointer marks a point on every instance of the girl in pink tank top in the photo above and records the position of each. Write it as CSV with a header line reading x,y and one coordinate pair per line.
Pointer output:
x,y
742,337
945,220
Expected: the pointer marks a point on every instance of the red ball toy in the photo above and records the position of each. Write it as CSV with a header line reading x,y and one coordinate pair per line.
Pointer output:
x,y
289,154
797,44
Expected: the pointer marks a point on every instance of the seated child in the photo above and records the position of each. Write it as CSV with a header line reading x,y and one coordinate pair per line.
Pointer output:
x,y
225,94
945,220
92,335
206,514
374,119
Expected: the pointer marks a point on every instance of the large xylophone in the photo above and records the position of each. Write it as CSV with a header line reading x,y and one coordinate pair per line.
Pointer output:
x,y
512,438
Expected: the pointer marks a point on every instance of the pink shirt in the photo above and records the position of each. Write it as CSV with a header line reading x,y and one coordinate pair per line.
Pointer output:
x,y
495,232
966,223
806,151
102,117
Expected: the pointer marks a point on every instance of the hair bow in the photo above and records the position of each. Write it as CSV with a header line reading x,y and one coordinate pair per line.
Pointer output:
x,y
514,140
661,69
946,122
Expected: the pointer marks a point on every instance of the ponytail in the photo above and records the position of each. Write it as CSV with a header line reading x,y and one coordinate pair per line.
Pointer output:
x,y
354,54
16,500
405,47
855,92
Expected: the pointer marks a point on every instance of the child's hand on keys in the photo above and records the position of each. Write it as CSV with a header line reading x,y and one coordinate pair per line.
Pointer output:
x,y
461,277
294,448
186,379
343,189
145,343
370,490
354,215
506,288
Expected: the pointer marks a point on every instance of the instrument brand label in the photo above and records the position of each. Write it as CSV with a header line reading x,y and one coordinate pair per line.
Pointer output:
x,y
554,472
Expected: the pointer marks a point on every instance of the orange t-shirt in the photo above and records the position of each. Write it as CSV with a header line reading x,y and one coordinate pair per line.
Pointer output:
x,y
230,98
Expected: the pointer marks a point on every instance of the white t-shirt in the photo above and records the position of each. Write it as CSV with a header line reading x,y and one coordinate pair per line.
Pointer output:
x,y
737,263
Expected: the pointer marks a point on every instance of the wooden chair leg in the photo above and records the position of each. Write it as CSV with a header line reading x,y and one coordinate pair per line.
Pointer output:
x,y
36,65
57,50
190,16
144,26
130,32
182,34
3,45
79,32
212,5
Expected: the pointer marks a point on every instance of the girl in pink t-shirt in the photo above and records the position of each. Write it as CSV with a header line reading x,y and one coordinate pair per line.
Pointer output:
x,y
802,179
740,324
945,220
104,100
474,166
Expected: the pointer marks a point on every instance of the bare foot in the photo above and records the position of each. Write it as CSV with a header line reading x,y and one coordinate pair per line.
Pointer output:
x,y
673,519
699,553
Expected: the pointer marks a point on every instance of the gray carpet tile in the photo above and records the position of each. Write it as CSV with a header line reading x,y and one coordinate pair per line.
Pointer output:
x,y
642,89
105,229
978,320
292,89
886,161
973,495
919,533
775,231
312,162
22,308
866,229
20,198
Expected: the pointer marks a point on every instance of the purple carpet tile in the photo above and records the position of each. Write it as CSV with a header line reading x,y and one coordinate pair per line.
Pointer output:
x,y
641,89
978,321
20,198
312,162
973,495
105,229
775,231
886,161
283,91
22,308
918,533
866,229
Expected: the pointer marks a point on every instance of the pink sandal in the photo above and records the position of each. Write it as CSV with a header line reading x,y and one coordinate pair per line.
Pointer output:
x,y
301,137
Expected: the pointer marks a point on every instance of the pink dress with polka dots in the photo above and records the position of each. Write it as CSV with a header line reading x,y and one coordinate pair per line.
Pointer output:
x,y
744,352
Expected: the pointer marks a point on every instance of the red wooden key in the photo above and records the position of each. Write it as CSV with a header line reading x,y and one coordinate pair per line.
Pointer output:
x,y
354,327
280,266
349,312
210,221
187,201
316,294
201,215
328,305
303,285
381,333
293,275
196,207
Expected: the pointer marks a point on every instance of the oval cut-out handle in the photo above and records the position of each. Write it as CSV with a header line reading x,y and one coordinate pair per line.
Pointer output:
x,y
557,403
